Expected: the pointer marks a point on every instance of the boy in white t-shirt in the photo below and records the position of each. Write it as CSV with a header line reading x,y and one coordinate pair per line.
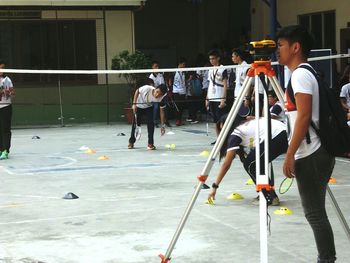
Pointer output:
x,y
241,141
179,91
276,107
306,159
345,99
241,72
216,96
158,79
215,101
6,93
144,98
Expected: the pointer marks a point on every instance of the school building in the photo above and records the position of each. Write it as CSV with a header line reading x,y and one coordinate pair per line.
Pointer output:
x,y
66,34
329,21
77,34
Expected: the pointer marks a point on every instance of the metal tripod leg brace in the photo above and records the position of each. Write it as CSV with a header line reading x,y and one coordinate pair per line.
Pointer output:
x,y
257,68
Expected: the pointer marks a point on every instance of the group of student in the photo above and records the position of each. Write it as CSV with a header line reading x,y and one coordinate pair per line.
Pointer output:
x,y
205,89
305,158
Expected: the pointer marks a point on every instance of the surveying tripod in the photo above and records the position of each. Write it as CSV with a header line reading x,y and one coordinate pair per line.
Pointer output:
x,y
259,70
262,69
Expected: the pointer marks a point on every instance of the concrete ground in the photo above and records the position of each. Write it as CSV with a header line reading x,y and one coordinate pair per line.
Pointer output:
x,y
130,205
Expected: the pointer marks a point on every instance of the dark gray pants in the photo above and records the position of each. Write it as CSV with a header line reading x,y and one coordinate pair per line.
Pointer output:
x,y
141,113
278,146
5,128
312,174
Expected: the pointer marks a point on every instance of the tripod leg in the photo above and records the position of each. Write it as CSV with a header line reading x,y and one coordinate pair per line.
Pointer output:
x,y
261,179
339,213
209,164
277,89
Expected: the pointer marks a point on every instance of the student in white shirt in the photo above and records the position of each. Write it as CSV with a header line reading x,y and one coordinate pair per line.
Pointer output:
x,y
6,93
241,141
204,76
216,97
345,97
306,159
217,90
158,79
276,107
144,98
241,72
179,91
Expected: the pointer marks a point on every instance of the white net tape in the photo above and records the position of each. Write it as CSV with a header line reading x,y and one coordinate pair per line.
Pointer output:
x,y
135,71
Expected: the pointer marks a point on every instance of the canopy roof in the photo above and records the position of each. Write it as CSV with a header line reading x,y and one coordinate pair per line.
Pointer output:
x,y
70,2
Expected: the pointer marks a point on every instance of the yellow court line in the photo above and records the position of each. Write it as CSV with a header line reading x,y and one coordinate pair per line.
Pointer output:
x,y
11,205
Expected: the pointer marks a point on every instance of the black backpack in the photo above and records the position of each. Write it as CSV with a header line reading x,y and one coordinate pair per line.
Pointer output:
x,y
333,130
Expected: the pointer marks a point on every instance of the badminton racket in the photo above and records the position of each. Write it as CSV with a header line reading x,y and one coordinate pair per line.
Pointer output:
x,y
207,121
137,128
244,111
285,185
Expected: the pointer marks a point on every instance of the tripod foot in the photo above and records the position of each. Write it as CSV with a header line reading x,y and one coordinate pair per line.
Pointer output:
x,y
164,260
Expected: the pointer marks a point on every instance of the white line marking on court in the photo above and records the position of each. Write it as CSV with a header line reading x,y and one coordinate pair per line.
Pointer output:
x,y
342,160
90,215
23,171
245,234
6,170
31,196
198,134
70,162
189,155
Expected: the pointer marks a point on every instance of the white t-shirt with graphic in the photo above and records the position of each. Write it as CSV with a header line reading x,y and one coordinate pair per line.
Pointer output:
x,y
216,78
244,134
5,84
303,81
145,98
157,78
241,73
179,85
203,74
345,93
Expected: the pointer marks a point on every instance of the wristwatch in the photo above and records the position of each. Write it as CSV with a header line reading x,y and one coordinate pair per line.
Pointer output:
x,y
214,185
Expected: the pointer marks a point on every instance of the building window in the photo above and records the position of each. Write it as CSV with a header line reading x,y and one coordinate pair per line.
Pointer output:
x,y
49,44
322,26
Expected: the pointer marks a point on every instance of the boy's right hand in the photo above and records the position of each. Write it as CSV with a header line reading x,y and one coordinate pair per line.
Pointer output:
x,y
134,108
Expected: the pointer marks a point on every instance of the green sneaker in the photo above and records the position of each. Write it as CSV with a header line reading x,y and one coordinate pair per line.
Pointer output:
x,y
4,155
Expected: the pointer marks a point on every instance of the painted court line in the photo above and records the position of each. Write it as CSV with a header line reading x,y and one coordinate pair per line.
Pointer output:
x,y
243,233
90,215
61,169
343,160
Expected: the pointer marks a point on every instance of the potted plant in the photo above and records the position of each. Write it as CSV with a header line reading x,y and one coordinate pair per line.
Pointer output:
x,y
129,61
